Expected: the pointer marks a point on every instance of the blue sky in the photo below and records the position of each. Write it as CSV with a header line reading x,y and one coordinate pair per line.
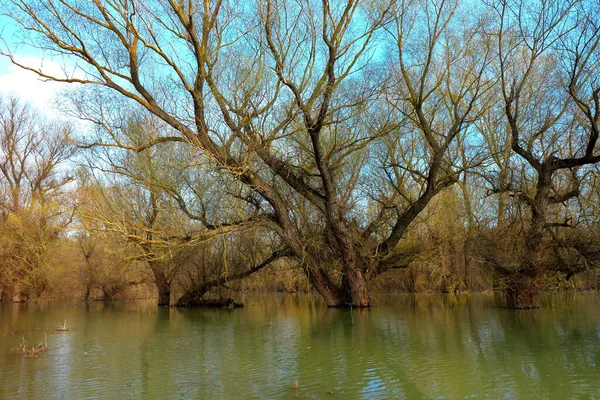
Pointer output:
x,y
24,84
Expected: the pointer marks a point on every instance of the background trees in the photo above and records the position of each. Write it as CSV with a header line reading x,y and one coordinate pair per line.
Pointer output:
x,y
549,71
33,153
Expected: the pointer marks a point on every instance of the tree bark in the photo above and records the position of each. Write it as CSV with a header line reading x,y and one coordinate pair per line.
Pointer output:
x,y
327,289
163,285
192,298
18,296
522,292
355,285
353,291
164,295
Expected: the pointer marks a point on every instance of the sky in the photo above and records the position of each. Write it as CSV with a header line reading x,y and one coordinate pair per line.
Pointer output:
x,y
25,84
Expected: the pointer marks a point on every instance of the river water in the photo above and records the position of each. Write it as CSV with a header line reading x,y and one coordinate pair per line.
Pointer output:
x,y
406,346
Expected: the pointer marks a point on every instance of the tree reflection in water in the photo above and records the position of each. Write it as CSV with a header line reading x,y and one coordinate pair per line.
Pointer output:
x,y
408,346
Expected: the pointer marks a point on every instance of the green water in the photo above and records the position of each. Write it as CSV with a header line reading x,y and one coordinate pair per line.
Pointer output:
x,y
408,346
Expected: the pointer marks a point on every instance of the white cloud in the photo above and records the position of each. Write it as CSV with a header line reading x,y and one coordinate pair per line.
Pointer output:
x,y
30,87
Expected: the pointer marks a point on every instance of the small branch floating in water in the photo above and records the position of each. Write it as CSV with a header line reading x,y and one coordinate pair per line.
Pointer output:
x,y
25,351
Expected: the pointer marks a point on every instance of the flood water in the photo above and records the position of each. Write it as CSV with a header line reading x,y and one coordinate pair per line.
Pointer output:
x,y
407,346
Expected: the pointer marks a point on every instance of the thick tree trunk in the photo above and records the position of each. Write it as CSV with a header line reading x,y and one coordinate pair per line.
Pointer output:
x,y
88,293
163,285
1,294
353,292
521,292
522,289
355,283
164,296
164,290
18,296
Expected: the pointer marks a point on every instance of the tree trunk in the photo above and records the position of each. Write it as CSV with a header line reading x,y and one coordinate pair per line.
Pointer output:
x,y
164,290
355,285
88,293
322,284
467,248
164,296
107,294
192,298
1,294
163,285
18,296
522,292
353,292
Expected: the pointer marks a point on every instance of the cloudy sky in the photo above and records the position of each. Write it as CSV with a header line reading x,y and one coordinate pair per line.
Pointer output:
x,y
27,85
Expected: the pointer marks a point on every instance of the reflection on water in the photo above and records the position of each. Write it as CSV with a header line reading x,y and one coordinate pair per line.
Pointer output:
x,y
408,346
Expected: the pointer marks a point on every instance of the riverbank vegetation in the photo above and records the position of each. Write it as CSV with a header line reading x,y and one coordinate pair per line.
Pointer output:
x,y
341,147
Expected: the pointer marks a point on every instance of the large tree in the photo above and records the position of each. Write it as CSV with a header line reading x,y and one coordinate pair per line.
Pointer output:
x,y
549,66
310,107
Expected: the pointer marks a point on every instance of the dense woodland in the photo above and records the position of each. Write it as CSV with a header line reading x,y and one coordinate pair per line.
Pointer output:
x,y
344,147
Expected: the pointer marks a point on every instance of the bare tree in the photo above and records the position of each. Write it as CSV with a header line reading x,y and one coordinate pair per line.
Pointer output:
x,y
282,96
548,58
161,203
31,183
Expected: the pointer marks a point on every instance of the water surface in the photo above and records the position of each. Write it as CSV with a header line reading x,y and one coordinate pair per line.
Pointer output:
x,y
407,346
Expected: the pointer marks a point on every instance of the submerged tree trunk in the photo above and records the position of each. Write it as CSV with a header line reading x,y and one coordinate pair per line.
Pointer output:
x,y
107,295
88,293
319,279
164,296
192,298
163,285
354,284
18,296
521,292
352,292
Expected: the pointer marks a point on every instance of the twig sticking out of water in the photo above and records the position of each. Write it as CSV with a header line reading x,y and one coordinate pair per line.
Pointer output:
x,y
25,351
63,328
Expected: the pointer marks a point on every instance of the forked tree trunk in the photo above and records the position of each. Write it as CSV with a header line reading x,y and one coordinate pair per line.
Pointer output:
x,y
331,294
353,291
